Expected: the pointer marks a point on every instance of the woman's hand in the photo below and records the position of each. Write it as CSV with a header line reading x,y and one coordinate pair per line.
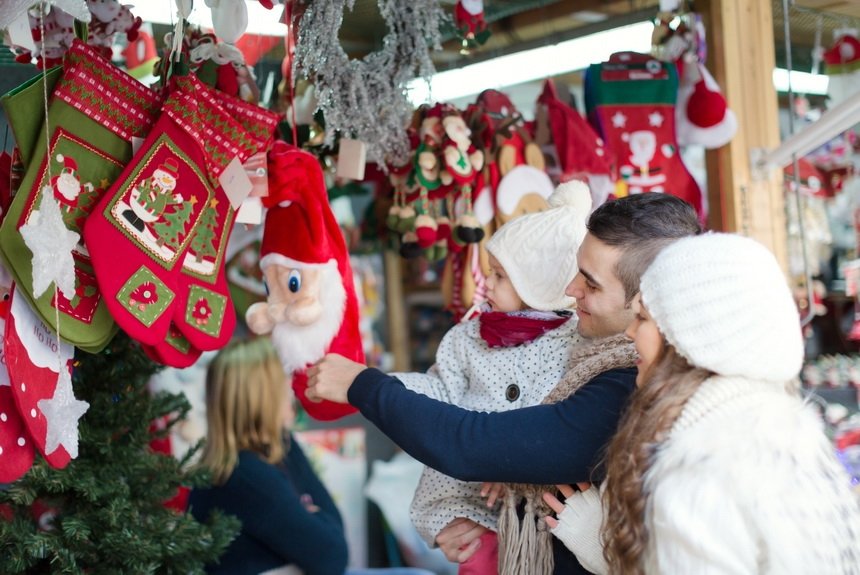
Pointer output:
x,y
460,539
580,519
331,377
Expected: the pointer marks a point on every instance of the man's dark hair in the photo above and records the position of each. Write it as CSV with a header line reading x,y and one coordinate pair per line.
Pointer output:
x,y
640,226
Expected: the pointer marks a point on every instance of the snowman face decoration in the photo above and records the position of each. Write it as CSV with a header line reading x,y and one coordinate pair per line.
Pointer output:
x,y
164,179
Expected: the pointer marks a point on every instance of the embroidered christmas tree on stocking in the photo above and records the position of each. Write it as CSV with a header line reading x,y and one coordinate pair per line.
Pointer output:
x,y
631,102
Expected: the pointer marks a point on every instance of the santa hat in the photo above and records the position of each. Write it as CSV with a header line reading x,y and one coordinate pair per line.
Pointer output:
x,y
702,116
70,166
844,55
301,231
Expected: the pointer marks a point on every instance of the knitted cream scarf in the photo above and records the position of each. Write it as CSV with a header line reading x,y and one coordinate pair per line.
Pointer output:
x,y
525,545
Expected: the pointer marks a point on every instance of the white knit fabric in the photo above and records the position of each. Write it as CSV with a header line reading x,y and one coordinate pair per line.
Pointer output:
x,y
747,483
722,301
538,250
471,375
579,526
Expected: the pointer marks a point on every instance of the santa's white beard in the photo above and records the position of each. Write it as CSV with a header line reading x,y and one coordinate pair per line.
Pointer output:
x,y
68,186
297,345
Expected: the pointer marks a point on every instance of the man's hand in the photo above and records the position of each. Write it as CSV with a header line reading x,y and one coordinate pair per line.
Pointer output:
x,y
331,377
460,539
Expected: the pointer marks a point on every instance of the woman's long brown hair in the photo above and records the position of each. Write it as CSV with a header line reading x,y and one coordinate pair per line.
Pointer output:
x,y
652,410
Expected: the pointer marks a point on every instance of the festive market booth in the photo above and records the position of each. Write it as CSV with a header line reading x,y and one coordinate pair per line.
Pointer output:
x,y
327,174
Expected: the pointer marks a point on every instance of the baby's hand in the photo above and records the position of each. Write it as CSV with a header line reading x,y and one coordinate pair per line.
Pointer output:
x,y
493,492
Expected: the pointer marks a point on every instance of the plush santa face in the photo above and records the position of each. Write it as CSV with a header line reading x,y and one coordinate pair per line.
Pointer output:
x,y
307,306
67,185
104,10
456,129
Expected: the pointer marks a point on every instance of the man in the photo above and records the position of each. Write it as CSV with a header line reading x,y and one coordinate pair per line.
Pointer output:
x,y
560,441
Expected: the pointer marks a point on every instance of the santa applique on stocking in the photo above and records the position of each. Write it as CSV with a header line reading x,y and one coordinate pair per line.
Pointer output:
x,y
631,102
311,308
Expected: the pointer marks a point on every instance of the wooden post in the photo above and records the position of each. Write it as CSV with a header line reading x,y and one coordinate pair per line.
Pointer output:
x,y
398,332
741,58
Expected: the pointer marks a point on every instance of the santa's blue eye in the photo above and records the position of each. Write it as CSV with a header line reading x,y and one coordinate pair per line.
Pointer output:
x,y
295,282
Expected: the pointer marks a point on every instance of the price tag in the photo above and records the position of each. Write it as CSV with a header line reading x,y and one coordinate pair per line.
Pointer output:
x,y
235,183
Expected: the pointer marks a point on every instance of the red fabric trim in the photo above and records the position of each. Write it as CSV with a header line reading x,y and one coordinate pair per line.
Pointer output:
x,y
499,329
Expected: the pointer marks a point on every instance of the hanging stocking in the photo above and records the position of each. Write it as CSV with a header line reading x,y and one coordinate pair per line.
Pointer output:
x,y
94,113
204,313
144,224
630,100
175,351
43,395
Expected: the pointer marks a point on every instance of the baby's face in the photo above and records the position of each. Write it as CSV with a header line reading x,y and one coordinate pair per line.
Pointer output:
x,y
501,294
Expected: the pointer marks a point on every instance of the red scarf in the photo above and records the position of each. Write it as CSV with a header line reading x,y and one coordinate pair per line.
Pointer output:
x,y
501,329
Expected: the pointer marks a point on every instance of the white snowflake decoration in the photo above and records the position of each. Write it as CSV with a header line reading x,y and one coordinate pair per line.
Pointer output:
x,y
63,412
52,243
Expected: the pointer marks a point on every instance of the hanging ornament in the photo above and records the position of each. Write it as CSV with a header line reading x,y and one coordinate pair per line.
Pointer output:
x,y
11,10
366,98
52,244
471,25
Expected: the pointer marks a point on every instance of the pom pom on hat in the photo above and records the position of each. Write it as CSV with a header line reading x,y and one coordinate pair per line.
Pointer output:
x,y
723,302
702,115
538,250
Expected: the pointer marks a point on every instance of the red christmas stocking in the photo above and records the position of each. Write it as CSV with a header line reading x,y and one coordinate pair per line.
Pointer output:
x,y
94,112
142,227
175,350
631,101
204,314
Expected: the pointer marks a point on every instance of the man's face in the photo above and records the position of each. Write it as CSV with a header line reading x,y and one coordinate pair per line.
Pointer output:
x,y
599,293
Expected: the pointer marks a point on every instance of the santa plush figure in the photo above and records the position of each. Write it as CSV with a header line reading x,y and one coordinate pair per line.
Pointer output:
x,y
311,308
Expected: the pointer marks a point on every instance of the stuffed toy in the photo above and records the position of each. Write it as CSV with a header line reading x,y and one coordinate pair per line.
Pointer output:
x,y
110,18
311,308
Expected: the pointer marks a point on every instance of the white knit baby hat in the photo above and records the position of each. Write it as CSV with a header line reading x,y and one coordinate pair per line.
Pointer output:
x,y
538,250
723,302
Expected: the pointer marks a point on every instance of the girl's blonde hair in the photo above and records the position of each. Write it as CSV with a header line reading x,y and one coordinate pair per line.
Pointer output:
x,y
646,423
245,394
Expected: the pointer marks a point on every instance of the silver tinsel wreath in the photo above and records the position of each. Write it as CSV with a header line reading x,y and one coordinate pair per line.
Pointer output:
x,y
366,99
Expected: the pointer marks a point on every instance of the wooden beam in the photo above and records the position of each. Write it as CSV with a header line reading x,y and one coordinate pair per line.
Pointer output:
x,y
741,58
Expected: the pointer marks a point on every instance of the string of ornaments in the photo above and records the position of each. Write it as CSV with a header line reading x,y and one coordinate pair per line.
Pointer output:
x,y
366,98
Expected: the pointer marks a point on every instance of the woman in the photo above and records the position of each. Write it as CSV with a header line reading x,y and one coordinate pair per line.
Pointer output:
x,y
717,466
260,474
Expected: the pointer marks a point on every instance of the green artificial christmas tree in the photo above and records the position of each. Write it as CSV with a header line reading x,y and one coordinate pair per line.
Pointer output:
x,y
109,502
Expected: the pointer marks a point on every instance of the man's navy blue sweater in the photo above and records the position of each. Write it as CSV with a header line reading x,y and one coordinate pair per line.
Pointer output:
x,y
549,444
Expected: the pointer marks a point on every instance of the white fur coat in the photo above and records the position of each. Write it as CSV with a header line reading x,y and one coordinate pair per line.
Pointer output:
x,y
747,482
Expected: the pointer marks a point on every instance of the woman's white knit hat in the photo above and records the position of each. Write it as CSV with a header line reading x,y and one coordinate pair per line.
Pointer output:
x,y
723,302
538,250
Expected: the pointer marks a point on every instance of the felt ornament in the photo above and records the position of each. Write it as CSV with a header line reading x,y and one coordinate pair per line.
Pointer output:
x,y
312,307
702,116
631,102
52,32
471,24
94,113
842,65
143,226
109,19
577,149
40,379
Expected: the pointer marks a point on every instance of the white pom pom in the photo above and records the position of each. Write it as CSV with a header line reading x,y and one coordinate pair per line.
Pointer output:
x,y
573,194
61,158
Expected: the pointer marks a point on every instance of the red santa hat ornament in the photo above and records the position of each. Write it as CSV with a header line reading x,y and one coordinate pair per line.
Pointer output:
x,y
70,166
844,55
702,115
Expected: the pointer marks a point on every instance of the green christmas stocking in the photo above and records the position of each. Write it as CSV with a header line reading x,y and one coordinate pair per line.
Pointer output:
x,y
25,110
204,313
140,230
95,110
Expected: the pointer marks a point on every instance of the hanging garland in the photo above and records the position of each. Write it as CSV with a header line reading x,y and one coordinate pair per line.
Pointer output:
x,y
366,99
